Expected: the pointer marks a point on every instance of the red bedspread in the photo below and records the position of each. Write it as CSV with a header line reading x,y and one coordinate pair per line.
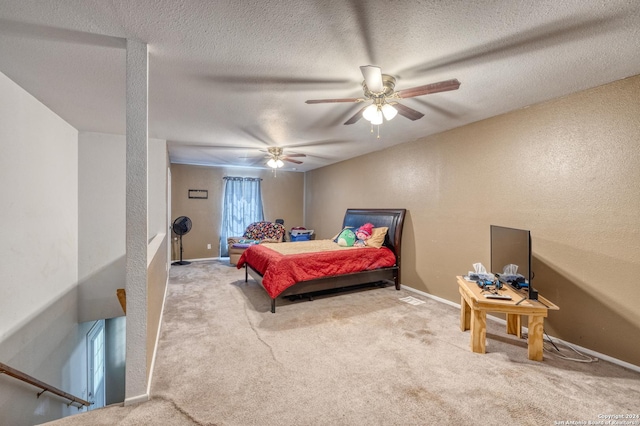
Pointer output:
x,y
281,271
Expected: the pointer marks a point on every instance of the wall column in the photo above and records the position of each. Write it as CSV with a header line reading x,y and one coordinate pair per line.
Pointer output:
x,y
136,213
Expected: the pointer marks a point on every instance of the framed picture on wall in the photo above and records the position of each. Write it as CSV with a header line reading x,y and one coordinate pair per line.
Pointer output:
x,y
199,193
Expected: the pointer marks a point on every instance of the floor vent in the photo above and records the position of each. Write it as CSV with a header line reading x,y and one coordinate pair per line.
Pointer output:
x,y
412,300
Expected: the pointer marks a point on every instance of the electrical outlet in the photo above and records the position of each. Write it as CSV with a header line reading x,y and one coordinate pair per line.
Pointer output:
x,y
208,246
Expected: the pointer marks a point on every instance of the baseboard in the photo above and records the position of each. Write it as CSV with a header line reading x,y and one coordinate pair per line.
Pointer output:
x,y
431,296
587,351
198,260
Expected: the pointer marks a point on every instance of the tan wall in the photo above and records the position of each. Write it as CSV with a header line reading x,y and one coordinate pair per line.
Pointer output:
x,y
568,170
282,197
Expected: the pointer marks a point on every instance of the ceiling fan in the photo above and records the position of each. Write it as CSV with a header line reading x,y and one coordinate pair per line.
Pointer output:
x,y
380,89
277,157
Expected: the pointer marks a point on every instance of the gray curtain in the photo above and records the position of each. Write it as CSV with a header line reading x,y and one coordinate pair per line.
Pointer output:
x,y
242,205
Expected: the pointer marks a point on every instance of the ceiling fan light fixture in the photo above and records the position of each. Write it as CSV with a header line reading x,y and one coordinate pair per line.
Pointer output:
x,y
370,112
379,88
275,163
389,111
377,118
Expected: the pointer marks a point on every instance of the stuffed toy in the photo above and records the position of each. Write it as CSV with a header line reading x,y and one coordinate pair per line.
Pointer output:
x,y
363,234
346,238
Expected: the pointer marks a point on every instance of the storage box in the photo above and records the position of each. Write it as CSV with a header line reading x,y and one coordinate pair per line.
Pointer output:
x,y
301,234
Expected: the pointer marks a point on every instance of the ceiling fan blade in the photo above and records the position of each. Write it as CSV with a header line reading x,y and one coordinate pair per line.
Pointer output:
x,y
324,101
291,161
410,113
373,77
441,86
295,155
357,116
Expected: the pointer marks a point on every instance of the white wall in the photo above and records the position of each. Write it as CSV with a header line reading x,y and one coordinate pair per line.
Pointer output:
x,y
102,218
102,215
39,331
102,234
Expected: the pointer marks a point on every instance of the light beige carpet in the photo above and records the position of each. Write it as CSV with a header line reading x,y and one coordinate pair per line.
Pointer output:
x,y
360,358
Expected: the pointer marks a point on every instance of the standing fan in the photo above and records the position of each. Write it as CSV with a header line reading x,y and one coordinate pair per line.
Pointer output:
x,y
181,226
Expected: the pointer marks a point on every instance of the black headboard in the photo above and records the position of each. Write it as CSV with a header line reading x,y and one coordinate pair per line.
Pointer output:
x,y
391,218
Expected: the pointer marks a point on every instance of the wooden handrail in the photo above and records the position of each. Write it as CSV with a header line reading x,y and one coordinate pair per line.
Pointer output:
x,y
45,387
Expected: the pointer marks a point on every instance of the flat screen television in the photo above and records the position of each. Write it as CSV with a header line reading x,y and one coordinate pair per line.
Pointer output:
x,y
510,246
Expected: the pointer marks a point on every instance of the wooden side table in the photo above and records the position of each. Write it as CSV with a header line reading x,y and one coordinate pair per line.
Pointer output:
x,y
473,315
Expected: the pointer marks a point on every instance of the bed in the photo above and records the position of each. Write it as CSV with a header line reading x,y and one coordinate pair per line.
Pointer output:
x,y
292,272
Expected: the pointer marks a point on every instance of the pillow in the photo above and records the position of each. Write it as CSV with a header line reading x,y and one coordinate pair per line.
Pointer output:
x,y
377,237
335,239
346,238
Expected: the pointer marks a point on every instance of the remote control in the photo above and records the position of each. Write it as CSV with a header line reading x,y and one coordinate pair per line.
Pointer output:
x,y
497,296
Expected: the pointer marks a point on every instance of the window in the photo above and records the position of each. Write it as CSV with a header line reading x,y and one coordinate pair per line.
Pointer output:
x,y
95,365
242,205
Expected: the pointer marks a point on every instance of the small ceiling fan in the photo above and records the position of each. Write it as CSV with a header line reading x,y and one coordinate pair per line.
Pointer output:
x,y
380,89
277,157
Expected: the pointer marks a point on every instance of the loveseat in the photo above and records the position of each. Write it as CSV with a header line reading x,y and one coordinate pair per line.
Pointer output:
x,y
256,233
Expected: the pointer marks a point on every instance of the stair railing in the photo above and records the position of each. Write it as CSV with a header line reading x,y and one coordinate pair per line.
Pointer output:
x,y
5,369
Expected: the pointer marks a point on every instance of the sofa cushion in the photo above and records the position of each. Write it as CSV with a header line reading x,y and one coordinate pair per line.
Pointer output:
x,y
242,245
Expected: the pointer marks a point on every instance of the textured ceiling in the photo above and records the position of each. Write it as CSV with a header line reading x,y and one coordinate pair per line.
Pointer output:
x,y
227,79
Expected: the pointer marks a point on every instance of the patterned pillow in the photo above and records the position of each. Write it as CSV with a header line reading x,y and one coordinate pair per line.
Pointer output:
x,y
264,230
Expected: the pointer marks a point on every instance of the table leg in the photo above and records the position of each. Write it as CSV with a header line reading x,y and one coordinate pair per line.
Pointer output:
x,y
478,331
465,315
535,341
514,326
